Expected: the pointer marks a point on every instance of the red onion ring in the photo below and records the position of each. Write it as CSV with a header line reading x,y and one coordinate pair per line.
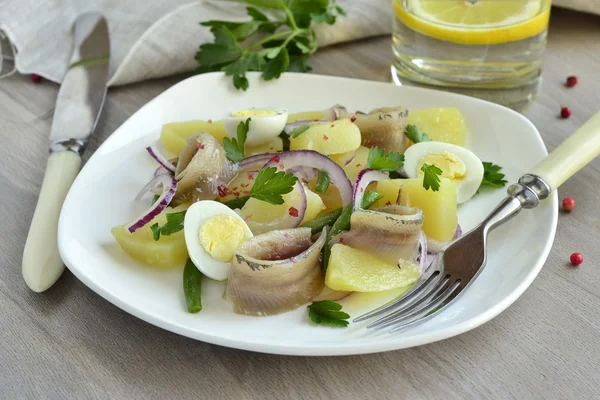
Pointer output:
x,y
364,178
333,113
305,174
159,158
169,185
161,170
257,161
312,159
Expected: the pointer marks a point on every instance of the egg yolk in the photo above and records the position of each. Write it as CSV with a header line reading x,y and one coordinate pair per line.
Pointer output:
x,y
221,236
452,167
253,113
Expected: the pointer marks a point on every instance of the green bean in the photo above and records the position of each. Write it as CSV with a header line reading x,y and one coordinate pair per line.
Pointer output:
x,y
341,224
322,182
322,221
192,287
370,198
328,219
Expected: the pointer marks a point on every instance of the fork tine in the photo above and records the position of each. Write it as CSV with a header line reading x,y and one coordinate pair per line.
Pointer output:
x,y
427,296
405,299
418,316
401,318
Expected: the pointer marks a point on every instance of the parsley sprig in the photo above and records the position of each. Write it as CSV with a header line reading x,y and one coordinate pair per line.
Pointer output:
x,y
174,224
280,38
328,312
378,159
492,177
431,177
416,135
234,148
269,186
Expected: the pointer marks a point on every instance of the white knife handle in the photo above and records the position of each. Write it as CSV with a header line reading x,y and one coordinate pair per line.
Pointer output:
x,y
573,154
42,265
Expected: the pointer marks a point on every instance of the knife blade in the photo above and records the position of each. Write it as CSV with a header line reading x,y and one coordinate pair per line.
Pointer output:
x,y
78,107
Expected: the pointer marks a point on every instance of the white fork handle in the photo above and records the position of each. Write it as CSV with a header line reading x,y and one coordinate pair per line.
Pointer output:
x,y
573,154
42,265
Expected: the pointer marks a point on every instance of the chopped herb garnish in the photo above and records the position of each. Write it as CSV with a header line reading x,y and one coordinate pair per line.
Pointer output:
x,y
174,224
492,177
281,40
269,186
234,148
322,182
297,131
328,312
391,161
431,177
416,135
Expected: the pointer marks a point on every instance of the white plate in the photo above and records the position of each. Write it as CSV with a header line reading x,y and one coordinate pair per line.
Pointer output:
x,y
103,196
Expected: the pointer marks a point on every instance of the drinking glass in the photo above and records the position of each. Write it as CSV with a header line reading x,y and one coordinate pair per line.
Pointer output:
x,y
490,49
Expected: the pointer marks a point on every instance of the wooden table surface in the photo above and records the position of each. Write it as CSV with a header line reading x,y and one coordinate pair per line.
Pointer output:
x,y
70,343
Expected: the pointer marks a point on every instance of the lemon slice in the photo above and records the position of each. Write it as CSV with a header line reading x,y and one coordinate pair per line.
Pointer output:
x,y
475,21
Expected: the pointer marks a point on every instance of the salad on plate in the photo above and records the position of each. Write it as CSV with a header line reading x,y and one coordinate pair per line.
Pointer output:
x,y
308,208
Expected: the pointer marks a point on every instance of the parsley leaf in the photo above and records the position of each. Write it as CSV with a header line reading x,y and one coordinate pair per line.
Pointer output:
x,y
271,43
276,4
234,148
270,185
391,161
225,49
174,224
431,177
416,135
322,182
492,177
297,131
275,67
328,312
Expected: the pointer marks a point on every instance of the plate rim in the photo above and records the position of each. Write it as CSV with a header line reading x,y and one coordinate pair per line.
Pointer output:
x,y
328,349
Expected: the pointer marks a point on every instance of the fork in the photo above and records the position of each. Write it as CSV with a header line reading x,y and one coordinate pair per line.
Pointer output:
x,y
459,264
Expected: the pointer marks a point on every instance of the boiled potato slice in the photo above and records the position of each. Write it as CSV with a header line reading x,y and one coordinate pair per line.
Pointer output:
x,y
314,205
343,159
331,198
358,164
274,146
167,252
306,115
257,211
441,124
174,134
355,270
439,208
331,137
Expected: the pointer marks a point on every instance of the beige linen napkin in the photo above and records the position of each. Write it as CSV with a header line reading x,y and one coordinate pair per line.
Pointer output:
x,y
155,38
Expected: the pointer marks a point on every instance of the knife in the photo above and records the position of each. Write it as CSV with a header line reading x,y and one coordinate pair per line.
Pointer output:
x,y
78,106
